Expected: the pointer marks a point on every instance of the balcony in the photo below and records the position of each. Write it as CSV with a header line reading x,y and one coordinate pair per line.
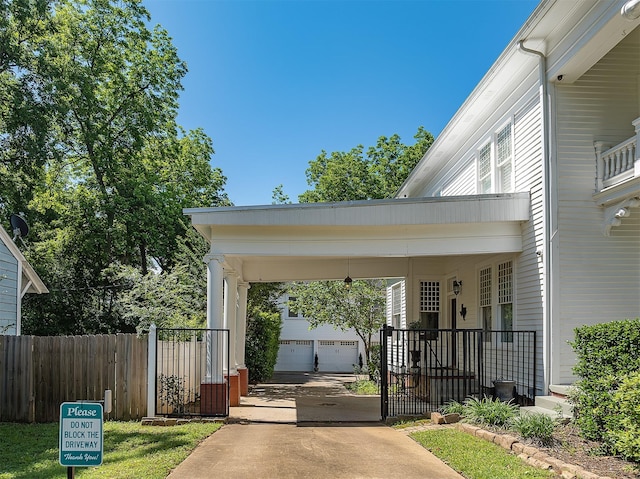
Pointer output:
x,y
618,178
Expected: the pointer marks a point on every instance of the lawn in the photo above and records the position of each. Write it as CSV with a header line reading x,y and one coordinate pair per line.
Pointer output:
x,y
130,450
476,458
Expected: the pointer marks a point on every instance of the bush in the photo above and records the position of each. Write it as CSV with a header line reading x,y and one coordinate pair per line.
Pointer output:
x,y
453,407
489,412
607,353
262,343
623,432
538,427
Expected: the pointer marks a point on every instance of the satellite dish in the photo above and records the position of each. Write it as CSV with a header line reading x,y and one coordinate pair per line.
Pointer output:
x,y
20,226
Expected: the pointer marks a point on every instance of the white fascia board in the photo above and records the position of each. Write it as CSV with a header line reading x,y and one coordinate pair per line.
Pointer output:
x,y
29,275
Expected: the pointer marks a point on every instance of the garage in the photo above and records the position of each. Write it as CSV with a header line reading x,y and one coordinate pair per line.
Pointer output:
x,y
337,356
295,355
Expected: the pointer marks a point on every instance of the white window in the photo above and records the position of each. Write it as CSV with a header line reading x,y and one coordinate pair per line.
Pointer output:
x,y
291,310
485,302
396,306
495,163
505,301
430,307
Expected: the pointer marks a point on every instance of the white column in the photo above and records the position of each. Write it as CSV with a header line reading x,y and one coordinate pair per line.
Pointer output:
x,y
230,310
151,371
241,322
215,319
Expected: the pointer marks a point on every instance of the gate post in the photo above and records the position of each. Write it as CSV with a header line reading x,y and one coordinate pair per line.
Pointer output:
x,y
152,364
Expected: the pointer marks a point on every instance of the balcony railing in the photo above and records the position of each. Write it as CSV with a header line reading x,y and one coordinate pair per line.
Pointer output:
x,y
617,164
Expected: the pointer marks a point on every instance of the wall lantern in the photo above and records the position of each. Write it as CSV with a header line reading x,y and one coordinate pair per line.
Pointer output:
x,y
457,287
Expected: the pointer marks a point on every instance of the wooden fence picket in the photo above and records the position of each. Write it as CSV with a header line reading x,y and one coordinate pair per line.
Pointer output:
x,y
38,373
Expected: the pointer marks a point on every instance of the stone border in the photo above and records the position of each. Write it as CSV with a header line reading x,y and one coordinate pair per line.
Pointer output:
x,y
530,454
172,421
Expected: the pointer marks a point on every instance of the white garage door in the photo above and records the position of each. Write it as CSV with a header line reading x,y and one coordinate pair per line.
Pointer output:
x,y
295,356
337,356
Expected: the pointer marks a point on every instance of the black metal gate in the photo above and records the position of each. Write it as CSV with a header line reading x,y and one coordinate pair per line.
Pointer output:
x,y
423,369
186,361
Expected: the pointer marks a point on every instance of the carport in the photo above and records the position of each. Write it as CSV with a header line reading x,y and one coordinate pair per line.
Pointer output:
x,y
329,241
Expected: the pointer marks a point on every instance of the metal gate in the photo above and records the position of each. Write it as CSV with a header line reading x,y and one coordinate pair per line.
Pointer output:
x,y
186,360
423,369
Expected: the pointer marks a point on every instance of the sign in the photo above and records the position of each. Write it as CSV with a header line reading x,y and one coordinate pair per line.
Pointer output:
x,y
81,435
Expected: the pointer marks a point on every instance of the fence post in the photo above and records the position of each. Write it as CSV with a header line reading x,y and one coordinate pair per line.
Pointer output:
x,y
151,371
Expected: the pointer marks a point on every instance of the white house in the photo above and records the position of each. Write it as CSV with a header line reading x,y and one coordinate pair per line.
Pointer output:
x,y
338,351
17,278
530,197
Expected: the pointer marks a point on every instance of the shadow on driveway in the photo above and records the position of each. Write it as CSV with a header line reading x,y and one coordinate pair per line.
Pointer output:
x,y
300,398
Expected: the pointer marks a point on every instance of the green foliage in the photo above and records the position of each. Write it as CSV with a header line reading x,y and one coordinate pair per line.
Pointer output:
x,y
363,387
538,427
489,412
354,175
262,343
607,354
329,302
623,432
453,407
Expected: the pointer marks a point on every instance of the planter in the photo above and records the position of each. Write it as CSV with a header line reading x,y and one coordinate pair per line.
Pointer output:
x,y
504,390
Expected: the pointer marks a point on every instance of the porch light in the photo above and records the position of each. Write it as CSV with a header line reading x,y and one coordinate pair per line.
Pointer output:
x,y
457,287
347,282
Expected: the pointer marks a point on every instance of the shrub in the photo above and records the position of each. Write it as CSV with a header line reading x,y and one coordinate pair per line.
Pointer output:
x,y
262,343
490,412
453,407
538,427
606,354
623,432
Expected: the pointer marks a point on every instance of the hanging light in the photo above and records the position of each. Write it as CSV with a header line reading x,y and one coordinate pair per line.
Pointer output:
x,y
457,286
348,280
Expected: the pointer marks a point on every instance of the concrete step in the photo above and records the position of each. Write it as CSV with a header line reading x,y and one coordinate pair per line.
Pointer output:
x,y
538,410
560,389
554,405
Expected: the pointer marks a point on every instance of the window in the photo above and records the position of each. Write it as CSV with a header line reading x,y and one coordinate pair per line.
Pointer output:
x,y
396,306
291,310
495,163
485,302
430,307
505,301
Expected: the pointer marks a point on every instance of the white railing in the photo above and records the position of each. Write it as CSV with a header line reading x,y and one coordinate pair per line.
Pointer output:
x,y
616,164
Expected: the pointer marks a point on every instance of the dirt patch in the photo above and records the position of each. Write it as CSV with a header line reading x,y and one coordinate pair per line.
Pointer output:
x,y
571,448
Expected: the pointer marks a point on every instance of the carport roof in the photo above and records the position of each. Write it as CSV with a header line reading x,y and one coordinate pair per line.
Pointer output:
x,y
313,240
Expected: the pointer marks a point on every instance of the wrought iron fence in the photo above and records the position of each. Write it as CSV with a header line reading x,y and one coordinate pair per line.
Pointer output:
x,y
422,370
190,372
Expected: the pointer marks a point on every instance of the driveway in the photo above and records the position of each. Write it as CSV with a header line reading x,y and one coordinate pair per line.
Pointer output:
x,y
308,426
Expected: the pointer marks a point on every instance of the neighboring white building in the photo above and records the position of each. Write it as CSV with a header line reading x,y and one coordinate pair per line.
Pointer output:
x,y
530,197
338,351
17,278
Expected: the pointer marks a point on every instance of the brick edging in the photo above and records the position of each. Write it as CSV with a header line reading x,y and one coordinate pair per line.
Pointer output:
x,y
529,454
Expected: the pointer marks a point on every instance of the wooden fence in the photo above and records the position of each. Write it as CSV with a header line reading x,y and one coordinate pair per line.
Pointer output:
x,y
37,373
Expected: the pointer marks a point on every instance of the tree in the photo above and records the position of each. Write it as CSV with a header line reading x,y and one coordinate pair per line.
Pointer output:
x,y
107,215
354,175
328,302
347,176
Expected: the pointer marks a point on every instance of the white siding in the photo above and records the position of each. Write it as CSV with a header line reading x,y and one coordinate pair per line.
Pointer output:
x,y
599,276
8,291
464,183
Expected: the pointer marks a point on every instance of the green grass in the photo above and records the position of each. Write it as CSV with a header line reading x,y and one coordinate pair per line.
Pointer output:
x,y
130,450
363,387
476,458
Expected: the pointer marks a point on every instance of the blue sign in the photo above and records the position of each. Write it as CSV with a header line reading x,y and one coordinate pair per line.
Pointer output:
x,y
81,435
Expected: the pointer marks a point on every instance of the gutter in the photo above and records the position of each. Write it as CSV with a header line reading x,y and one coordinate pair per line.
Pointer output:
x,y
547,224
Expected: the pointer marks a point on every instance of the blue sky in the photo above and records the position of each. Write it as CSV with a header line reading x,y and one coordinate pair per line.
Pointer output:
x,y
275,82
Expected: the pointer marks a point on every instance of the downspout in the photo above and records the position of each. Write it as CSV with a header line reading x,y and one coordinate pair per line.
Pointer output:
x,y
547,225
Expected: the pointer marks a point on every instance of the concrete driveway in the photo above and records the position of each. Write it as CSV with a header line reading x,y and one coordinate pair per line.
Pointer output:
x,y
308,426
